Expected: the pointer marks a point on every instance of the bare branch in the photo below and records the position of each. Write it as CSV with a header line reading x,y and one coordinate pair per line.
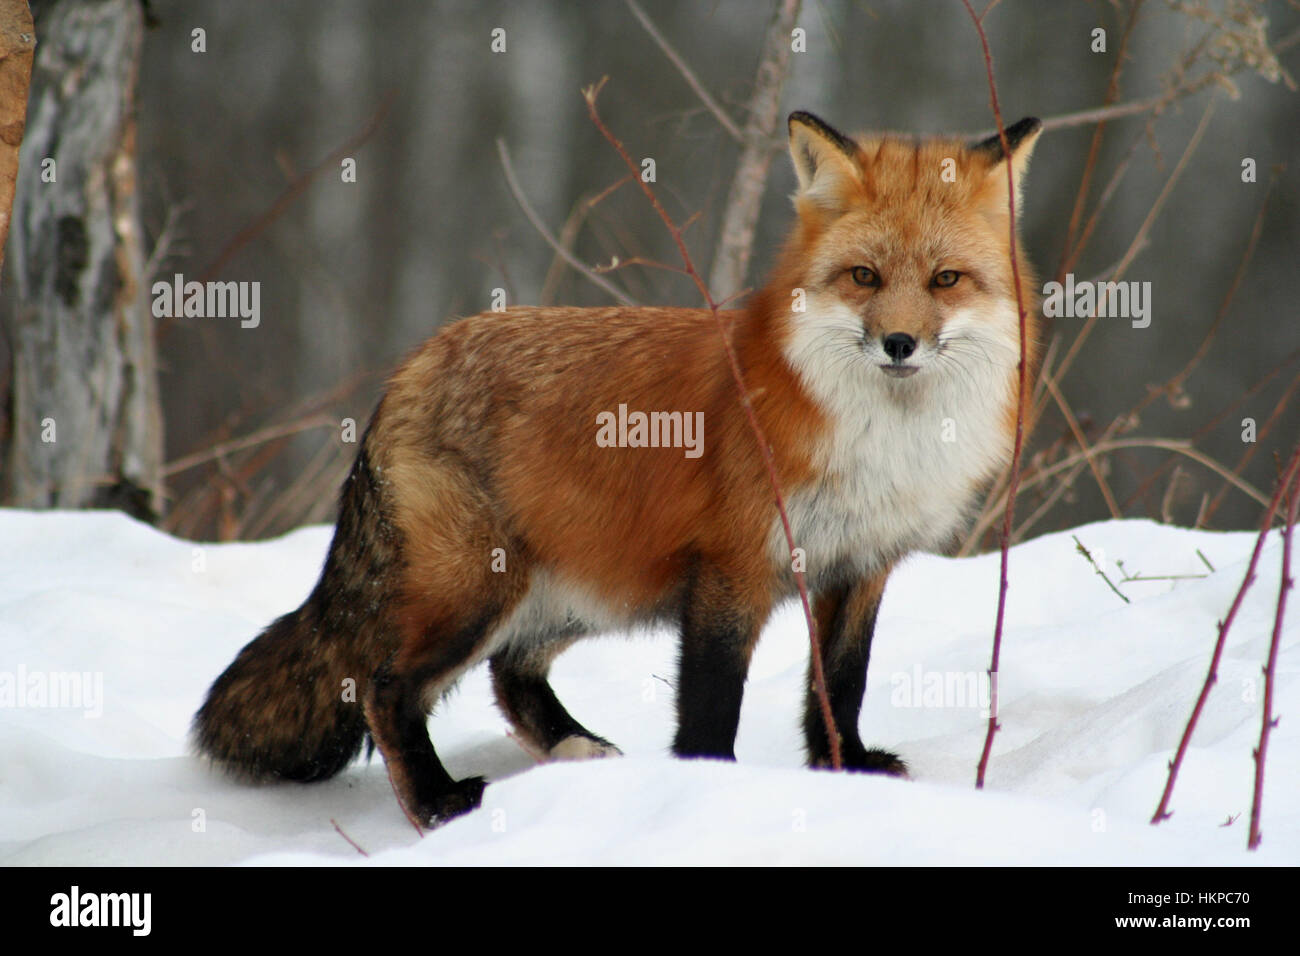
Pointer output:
x,y
517,191
1079,437
248,441
1109,445
1268,721
1022,383
687,73
1288,475
292,191
1252,447
164,245
1094,148
356,846
1078,545
1139,238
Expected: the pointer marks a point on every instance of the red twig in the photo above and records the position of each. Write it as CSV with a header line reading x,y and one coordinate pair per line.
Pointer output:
x,y
356,846
1269,721
410,817
819,676
537,756
1022,386
1162,811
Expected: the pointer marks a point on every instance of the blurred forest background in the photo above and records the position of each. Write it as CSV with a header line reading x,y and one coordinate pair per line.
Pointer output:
x,y
238,150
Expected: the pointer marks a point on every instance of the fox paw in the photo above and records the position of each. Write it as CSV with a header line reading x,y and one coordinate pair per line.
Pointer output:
x,y
876,760
578,747
459,798
862,760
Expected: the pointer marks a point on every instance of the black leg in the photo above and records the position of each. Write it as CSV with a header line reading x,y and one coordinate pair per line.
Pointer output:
x,y
846,620
719,630
399,727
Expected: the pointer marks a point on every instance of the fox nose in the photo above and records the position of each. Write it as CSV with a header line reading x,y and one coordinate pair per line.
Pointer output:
x,y
899,345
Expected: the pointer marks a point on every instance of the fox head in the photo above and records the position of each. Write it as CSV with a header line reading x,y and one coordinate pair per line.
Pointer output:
x,y
901,252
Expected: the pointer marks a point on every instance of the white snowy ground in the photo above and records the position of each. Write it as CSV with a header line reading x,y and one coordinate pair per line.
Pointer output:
x,y
1094,695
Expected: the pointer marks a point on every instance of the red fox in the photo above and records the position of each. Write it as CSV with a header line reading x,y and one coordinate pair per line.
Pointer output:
x,y
509,498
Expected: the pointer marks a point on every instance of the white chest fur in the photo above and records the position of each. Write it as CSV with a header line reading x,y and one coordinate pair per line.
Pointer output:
x,y
908,455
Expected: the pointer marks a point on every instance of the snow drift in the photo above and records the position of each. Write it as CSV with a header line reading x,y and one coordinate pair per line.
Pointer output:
x,y
110,633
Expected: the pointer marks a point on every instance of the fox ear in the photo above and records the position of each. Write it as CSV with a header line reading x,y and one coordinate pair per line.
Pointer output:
x,y
1021,138
823,159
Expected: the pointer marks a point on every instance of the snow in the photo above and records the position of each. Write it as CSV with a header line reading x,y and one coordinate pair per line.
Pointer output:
x,y
1094,695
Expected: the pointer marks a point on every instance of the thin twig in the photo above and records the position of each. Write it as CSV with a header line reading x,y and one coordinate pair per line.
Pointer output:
x,y
356,846
1140,577
248,441
163,245
537,756
1139,239
1269,721
1088,554
1021,389
517,191
1091,456
1175,382
1162,811
1094,148
619,263
1143,578
725,121
1252,447
291,192
1157,103
1102,447
819,675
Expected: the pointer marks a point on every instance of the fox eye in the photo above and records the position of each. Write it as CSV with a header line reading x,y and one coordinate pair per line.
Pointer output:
x,y
864,276
947,279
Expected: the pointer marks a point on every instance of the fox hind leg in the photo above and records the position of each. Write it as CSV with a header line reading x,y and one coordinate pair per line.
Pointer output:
x,y
525,696
446,616
398,726
397,701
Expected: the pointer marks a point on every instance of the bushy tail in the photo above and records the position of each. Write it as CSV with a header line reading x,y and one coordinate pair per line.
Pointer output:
x,y
277,712
289,706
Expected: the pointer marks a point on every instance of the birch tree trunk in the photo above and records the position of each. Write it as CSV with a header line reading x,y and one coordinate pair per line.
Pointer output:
x,y
744,200
86,420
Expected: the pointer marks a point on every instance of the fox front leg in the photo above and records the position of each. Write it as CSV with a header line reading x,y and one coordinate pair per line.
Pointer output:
x,y
846,621
721,620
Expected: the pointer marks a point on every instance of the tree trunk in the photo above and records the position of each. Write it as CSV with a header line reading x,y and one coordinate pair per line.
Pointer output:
x,y
740,216
17,45
87,425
